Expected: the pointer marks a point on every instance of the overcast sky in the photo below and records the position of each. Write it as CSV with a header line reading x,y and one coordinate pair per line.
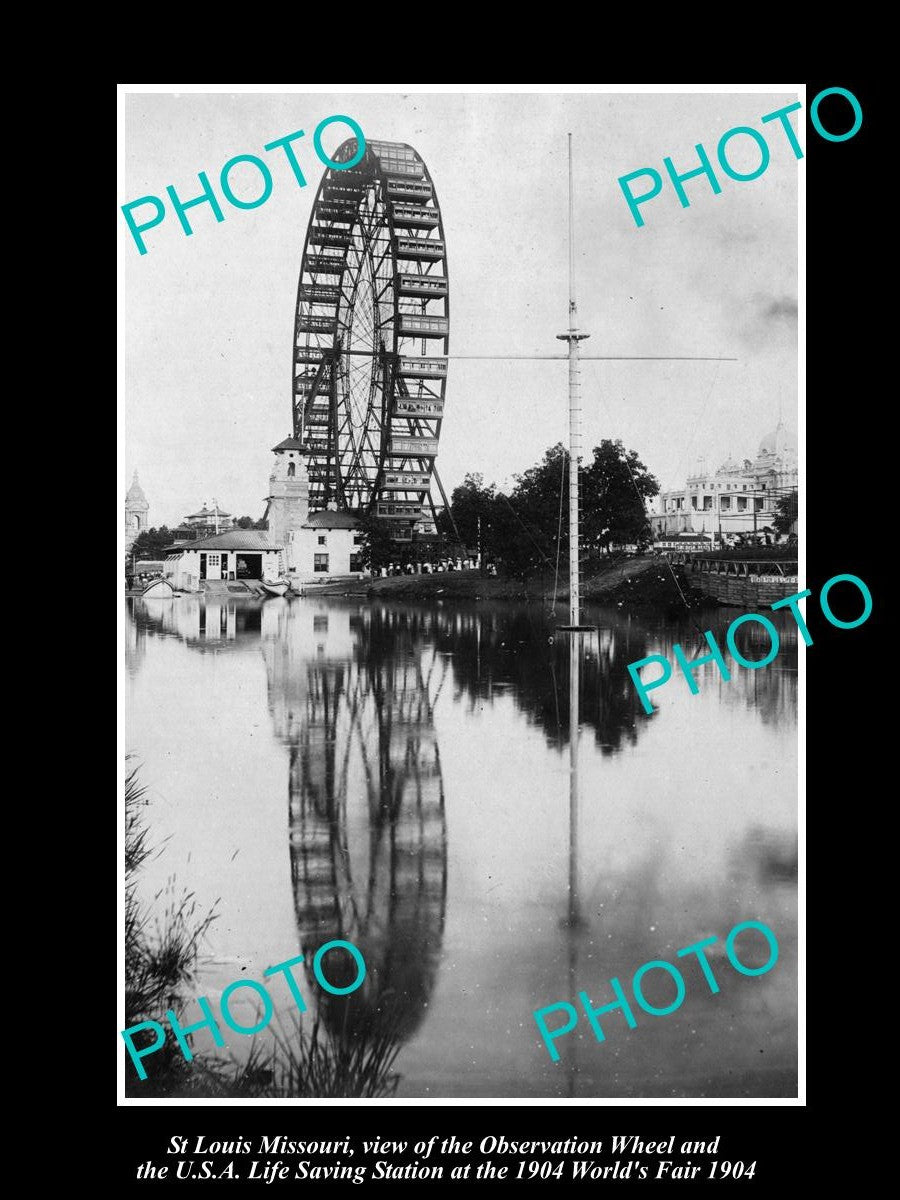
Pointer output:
x,y
205,379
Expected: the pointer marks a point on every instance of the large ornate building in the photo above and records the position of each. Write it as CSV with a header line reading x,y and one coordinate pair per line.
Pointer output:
x,y
740,497
137,513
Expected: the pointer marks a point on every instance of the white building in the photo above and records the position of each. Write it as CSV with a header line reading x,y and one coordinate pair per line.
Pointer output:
x,y
328,543
739,497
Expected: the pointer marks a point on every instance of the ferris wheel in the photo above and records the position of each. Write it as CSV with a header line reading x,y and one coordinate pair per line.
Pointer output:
x,y
372,337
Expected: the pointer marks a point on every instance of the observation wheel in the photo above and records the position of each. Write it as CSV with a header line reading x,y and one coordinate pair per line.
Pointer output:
x,y
372,337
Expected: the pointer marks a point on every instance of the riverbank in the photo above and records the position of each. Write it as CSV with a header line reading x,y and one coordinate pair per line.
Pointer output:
x,y
647,582
643,583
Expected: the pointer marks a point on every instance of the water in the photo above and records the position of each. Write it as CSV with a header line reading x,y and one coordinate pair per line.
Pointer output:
x,y
398,776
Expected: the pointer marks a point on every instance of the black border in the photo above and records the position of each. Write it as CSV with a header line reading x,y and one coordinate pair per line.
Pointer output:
x,y
843,485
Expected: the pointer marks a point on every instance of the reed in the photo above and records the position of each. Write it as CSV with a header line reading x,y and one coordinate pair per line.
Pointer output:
x,y
162,951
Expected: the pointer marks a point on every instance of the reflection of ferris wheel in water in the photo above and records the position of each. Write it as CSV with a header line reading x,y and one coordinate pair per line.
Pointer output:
x,y
372,336
368,827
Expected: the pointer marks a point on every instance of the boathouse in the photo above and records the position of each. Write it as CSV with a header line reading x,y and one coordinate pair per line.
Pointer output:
x,y
241,554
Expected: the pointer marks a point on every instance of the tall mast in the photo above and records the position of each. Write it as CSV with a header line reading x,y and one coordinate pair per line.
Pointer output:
x,y
573,337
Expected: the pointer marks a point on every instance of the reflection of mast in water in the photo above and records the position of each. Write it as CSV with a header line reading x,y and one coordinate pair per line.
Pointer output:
x,y
367,825
574,921
574,917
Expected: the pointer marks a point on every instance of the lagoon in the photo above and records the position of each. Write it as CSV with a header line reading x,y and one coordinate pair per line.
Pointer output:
x,y
398,775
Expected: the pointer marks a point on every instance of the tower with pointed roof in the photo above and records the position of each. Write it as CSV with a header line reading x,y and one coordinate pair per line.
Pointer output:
x,y
137,512
287,505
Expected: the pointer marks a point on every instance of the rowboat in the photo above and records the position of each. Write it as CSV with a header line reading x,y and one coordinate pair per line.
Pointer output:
x,y
279,588
158,589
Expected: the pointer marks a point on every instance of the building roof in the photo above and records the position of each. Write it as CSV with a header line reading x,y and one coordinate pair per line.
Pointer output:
x,y
778,442
731,466
290,443
326,519
135,494
209,512
235,539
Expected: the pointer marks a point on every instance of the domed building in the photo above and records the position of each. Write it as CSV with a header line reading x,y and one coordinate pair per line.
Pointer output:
x,y
137,512
739,497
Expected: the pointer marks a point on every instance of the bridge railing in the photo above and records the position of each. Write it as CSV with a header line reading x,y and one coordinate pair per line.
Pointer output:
x,y
736,566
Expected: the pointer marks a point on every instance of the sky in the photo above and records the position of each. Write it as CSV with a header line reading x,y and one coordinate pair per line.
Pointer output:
x,y
206,322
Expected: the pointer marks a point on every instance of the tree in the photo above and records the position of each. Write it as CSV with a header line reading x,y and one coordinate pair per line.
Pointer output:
x,y
152,543
249,523
474,509
532,520
531,525
786,510
376,548
615,488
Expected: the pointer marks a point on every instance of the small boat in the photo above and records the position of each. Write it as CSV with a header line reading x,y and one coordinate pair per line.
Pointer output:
x,y
158,589
278,588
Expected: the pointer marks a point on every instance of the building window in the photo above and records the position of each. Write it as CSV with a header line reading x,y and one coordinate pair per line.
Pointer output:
x,y
320,562
757,505
357,539
707,503
694,503
726,502
212,560
291,469
322,539
745,487
742,503
356,562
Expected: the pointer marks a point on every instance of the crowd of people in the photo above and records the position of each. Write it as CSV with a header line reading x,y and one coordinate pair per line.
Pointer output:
x,y
435,568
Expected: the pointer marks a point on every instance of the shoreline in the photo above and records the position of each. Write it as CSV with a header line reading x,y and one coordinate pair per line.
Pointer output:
x,y
643,583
